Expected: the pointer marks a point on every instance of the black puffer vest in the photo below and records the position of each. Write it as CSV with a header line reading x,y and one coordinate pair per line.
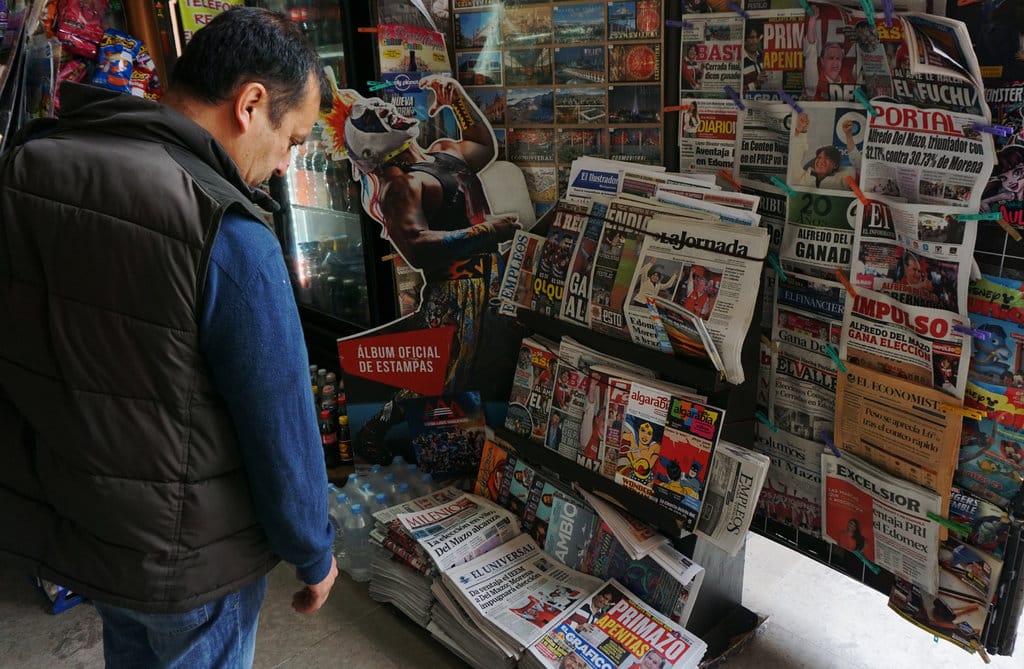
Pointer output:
x,y
122,477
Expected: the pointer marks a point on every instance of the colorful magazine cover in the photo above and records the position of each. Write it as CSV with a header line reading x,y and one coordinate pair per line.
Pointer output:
x,y
447,433
530,399
643,429
492,470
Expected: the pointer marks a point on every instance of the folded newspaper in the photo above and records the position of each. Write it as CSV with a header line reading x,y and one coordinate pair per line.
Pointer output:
x,y
730,501
613,628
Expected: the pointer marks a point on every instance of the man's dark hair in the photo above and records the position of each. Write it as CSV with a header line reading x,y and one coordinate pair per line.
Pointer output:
x,y
247,44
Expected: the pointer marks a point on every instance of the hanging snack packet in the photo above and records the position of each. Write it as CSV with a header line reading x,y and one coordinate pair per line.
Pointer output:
x,y
117,53
80,25
145,82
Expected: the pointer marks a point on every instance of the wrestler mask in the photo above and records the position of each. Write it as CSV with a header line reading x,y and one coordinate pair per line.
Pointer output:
x,y
375,133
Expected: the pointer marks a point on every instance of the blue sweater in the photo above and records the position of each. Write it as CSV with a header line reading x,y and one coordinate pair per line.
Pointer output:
x,y
250,335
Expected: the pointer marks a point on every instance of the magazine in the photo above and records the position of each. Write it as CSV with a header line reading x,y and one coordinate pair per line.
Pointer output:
x,y
520,272
685,331
882,517
576,298
493,459
556,254
730,501
613,628
529,400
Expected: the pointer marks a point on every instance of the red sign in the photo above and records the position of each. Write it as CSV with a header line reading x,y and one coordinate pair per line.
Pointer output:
x,y
415,360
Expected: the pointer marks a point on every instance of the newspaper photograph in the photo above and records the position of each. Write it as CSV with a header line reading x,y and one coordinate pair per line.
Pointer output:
x,y
804,393
707,134
835,56
899,427
926,156
773,54
792,490
763,142
882,517
614,628
918,344
920,255
809,312
818,237
712,55
460,530
730,501
708,269
517,592
825,146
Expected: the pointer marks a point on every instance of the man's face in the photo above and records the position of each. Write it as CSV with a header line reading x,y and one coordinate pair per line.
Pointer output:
x,y
699,283
823,165
574,661
832,61
752,41
268,149
652,660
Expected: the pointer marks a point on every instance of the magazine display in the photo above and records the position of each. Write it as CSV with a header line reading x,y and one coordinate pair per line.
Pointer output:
x,y
707,268
516,592
918,254
460,530
882,517
730,501
919,344
957,610
899,427
613,628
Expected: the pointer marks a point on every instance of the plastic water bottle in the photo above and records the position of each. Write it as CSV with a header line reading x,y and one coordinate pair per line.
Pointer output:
x,y
351,487
376,476
365,493
380,501
425,484
339,512
388,483
402,493
357,540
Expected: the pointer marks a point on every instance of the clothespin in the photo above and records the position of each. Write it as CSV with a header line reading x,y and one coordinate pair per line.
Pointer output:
x,y
773,345
831,352
959,528
727,176
1001,130
672,23
976,645
831,445
863,100
733,7
890,10
735,98
983,335
788,99
389,257
986,216
379,85
1008,229
846,282
869,11
857,191
773,260
674,108
807,7
967,412
766,420
875,569
783,186
367,29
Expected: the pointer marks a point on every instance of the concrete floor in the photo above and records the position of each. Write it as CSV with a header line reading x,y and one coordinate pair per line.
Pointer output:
x,y
817,619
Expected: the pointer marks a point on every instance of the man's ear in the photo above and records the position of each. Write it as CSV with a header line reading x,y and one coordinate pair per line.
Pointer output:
x,y
252,99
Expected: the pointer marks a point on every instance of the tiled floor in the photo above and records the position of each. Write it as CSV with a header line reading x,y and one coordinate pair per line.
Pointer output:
x,y
817,619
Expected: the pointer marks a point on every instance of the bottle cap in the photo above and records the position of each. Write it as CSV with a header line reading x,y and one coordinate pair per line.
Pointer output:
x,y
325,414
342,420
403,487
357,508
341,498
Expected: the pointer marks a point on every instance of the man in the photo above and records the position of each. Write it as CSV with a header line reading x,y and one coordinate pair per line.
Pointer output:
x,y
160,449
698,301
432,207
753,77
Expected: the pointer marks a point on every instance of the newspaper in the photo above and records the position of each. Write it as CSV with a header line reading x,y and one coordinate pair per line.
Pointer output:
x,y
818,237
708,130
803,393
460,530
792,491
914,343
927,156
776,63
708,269
899,427
826,144
614,628
882,517
636,537
516,592
712,55
772,210
705,209
730,501
589,176
520,272
529,401
809,312
644,184
918,254
763,139
685,331
576,300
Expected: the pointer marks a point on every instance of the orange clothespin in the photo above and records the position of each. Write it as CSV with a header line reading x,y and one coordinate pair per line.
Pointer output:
x,y
846,282
857,191
727,176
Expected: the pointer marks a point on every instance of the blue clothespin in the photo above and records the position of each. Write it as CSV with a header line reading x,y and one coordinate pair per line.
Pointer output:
x,y
739,10
832,353
773,260
783,186
868,563
986,216
785,97
863,100
807,7
869,11
972,332
890,11
760,415
831,445
735,98
1001,130
672,23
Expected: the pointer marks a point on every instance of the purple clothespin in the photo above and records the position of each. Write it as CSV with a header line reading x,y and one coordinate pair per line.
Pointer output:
x,y
889,10
735,98
785,97
739,10
672,23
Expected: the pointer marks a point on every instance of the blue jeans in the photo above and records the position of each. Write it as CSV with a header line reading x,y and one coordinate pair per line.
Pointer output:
x,y
219,634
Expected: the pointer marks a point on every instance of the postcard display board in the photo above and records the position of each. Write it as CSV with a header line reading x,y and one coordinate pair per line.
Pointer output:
x,y
558,80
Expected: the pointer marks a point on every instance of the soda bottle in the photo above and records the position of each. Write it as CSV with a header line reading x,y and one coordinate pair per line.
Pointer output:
x,y
344,441
357,542
329,440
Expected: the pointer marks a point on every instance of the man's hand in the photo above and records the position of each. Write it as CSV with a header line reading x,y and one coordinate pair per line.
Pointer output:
x,y
444,90
312,597
505,226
